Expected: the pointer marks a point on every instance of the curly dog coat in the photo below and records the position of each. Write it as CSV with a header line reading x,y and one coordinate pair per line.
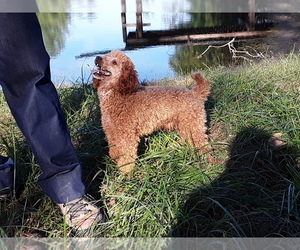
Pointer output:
x,y
130,110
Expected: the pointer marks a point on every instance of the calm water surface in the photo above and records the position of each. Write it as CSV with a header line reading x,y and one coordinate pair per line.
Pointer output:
x,y
69,35
98,32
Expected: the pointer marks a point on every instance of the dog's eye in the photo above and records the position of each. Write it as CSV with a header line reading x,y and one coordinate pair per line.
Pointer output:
x,y
114,62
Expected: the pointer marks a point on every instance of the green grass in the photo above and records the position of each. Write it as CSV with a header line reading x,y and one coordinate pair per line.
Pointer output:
x,y
253,191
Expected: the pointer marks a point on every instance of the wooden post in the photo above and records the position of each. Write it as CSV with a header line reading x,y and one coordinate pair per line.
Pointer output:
x,y
139,19
251,15
123,18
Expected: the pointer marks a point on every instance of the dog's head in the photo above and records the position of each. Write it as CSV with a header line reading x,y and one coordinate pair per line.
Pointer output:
x,y
115,71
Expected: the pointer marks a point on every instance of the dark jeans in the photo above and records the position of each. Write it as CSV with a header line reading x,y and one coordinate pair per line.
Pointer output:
x,y
34,103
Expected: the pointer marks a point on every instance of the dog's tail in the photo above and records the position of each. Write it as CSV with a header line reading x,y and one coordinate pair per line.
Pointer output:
x,y
202,87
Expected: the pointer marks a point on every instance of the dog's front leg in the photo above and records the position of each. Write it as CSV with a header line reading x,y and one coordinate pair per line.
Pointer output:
x,y
124,152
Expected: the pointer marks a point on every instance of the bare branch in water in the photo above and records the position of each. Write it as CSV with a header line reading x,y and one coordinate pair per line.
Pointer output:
x,y
234,53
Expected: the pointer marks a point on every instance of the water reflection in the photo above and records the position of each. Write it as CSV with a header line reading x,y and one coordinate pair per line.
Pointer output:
x,y
55,28
54,5
68,35
219,6
215,19
187,59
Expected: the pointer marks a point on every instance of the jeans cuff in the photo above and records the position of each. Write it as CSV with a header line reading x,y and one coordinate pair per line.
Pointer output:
x,y
6,174
65,186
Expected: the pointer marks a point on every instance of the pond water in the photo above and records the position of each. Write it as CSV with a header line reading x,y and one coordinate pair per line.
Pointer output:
x,y
68,35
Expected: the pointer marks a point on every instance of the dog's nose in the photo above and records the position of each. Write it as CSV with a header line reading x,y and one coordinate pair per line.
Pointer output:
x,y
98,59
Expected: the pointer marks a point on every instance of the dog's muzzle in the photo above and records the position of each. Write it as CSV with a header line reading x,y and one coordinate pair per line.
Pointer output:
x,y
100,72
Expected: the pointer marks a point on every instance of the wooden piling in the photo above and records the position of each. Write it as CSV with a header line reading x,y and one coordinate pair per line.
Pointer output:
x,y
139,19
123,18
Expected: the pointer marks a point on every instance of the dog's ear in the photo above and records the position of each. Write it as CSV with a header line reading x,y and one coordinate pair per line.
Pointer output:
x,y
128,80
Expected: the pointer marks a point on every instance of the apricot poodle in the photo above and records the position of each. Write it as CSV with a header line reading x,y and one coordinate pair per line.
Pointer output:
x,y
130,110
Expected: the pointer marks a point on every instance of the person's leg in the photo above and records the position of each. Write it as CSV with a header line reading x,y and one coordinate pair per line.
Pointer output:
x,y
34,103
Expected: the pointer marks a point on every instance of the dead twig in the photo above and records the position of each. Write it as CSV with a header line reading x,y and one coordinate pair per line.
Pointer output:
x,y
233,51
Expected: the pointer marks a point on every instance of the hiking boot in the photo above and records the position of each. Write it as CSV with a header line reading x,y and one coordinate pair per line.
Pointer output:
x,y
82,213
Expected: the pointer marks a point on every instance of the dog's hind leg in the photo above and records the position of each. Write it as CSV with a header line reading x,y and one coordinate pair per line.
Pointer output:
x,y
193,131
195,135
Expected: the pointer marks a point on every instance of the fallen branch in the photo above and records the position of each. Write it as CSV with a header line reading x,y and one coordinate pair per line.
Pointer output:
x,y
234,53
